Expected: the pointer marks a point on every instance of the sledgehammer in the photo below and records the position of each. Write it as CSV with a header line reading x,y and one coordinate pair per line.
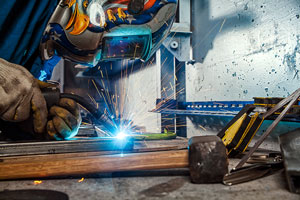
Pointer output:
x,y
206,158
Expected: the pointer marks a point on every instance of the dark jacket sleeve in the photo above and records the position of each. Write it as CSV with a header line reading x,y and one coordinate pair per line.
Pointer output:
x,y
22,23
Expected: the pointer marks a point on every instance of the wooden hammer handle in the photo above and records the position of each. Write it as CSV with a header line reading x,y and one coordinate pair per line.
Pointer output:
x,y
94,164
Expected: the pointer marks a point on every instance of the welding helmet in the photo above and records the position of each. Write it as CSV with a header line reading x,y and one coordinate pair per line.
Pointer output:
x,y
89,31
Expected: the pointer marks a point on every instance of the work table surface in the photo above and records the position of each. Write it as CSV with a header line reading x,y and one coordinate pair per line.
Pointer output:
x,y
159,184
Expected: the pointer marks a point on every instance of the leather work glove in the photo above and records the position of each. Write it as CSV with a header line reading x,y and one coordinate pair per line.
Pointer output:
x,y
64,117
65,120
21,96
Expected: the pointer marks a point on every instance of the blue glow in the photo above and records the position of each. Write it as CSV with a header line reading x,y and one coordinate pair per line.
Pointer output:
x,y
43,75
121,135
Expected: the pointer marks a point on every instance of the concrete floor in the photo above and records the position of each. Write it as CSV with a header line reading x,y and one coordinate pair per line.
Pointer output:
x,y
156,185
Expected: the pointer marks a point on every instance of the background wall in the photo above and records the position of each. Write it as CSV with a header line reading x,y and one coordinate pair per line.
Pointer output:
x,y
242,49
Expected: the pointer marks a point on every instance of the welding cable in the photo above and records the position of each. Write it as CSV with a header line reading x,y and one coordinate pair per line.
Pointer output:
x,y
52,96
94,111
98,116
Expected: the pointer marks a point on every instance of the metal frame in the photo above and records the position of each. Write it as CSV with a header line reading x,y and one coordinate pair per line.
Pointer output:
x,y
211,108
178,41
172,59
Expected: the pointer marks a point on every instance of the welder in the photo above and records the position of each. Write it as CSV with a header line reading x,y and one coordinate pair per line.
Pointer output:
x,y
35,34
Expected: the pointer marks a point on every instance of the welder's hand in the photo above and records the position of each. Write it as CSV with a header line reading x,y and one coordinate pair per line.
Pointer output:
x,y
21,96
65,120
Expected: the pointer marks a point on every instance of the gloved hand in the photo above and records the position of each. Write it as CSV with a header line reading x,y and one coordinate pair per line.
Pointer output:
x,y
65,120
65,117
20,96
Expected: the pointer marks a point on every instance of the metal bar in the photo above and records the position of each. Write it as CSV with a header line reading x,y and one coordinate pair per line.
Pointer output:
x,y
251,173
282,103
70,146
180,84
203,106
292,99
184,25
166,61
184,11
195,112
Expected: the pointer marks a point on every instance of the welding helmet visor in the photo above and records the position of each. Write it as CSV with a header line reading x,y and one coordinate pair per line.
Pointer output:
x,y
133,43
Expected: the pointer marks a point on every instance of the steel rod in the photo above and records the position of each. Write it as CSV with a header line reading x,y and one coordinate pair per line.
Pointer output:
x,y
292,99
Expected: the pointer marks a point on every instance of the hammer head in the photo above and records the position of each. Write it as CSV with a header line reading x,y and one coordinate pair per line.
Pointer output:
x,y
207,159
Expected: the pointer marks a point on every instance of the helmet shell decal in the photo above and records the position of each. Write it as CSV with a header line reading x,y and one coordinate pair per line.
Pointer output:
x,y
77,28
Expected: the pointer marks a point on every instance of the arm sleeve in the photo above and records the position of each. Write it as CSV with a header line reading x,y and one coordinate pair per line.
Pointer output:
x,y
22,23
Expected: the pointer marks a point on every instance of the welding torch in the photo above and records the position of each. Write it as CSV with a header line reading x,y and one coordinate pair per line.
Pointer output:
x,y
52,96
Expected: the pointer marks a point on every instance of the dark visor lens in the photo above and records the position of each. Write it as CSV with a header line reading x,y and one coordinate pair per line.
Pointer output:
x,y
124,47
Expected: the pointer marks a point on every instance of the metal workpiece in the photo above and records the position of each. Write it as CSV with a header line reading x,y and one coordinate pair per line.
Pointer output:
x,y
67,146
251,173
290,147
260,165
211,108
287,103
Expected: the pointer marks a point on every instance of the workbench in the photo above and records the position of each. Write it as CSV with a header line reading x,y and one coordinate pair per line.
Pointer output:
x,y
158,184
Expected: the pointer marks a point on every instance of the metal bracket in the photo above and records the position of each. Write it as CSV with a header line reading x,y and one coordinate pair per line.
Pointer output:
x,y
178,41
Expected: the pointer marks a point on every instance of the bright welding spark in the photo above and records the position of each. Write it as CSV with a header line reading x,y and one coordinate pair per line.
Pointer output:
x,y
222,25
37,182
121,135
81,180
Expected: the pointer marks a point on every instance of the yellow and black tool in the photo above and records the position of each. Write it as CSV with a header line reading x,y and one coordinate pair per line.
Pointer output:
x,y
245,134
238,133
237,129
287,104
